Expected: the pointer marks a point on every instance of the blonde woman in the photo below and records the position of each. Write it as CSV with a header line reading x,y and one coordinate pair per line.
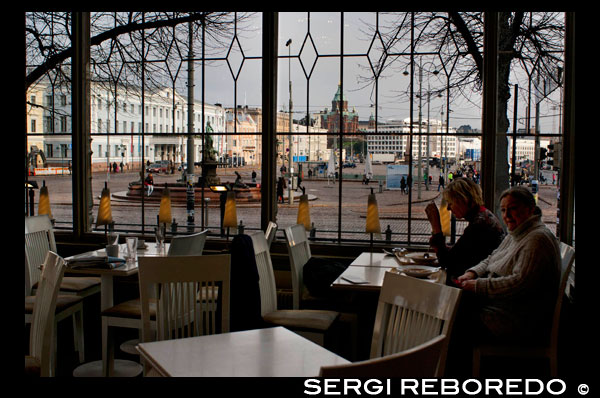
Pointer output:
x,y
483,234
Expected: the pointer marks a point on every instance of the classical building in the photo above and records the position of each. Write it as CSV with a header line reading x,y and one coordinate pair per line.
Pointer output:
x,y
339,117
116,125
243,147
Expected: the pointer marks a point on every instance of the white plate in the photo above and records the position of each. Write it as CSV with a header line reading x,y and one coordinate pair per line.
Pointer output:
x,y
422,258
419,271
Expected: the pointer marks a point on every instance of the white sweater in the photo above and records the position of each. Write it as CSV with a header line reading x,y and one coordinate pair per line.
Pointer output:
x,y
518,282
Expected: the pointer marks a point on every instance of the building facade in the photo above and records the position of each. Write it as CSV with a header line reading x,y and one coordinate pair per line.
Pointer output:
x,y
116,125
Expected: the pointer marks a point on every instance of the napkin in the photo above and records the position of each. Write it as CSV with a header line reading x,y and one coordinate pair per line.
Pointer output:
x,y
96,262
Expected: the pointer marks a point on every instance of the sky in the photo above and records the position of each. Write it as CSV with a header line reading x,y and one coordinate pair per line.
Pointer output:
x,y
315,79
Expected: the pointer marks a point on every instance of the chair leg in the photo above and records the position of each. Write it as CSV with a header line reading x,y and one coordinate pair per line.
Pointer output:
x,y
78,334
553,365
53,352
476,362
108,351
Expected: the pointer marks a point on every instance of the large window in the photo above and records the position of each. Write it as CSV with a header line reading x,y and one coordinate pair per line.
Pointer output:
x,y
366,102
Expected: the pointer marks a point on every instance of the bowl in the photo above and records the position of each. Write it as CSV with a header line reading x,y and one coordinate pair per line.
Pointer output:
x,y
419,271
422,258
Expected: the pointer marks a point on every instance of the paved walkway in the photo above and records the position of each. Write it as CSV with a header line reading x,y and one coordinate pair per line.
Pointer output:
x,y
393,205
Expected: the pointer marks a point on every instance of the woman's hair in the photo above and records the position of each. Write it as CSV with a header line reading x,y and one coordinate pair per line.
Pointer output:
x,y
522,195
464,189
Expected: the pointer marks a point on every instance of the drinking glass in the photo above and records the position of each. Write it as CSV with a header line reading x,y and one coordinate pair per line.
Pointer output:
x,y
160,236
131,250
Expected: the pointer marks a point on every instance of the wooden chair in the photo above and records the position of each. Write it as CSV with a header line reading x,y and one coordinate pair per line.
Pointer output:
x,y
188,245
175,283
128,314
411,312
312,324
270,233
549,348
421,361
39,240
41,336
299,253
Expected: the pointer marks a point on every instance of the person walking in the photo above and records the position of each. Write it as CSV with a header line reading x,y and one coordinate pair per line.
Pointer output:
x,y
280,187
253,176
403,185
441,182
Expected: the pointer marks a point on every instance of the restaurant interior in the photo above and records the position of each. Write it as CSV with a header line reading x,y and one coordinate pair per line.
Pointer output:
x,y
142,301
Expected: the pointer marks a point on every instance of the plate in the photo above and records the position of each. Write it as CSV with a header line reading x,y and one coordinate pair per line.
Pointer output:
x,y
422,258
419,271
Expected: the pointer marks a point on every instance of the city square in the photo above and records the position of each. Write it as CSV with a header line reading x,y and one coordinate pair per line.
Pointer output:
x,y
323,195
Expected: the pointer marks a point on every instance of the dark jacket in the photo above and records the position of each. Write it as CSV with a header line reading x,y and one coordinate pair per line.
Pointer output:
x,y
244,295
482,236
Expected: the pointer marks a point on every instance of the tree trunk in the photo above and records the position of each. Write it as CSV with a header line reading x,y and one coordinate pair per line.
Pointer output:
x,y
505,57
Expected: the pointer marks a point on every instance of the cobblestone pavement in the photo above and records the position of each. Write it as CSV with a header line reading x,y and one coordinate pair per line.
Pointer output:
x,y
393,205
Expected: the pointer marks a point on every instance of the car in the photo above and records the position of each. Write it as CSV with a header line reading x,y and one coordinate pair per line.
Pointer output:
x,y
349,164
157,168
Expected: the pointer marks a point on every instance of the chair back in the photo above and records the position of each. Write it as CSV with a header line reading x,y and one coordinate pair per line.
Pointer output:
x,y
39,239
266,282
299,253
411,312
188,245
41,340
192,295
421,361
270,233
567,256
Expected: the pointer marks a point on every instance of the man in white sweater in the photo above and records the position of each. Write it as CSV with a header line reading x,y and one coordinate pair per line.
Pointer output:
x,y
514,289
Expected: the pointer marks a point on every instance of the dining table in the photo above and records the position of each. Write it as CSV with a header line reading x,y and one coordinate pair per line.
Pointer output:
x,y
268,352
122,367
366,272
361,282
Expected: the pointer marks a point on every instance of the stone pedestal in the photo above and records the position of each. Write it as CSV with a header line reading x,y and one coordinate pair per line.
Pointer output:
x,y
209,174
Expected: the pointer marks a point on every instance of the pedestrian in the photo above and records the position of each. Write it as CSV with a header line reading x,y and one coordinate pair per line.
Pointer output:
x,y
280,187
309,173
122,166
149,182
450,177
115,167
441,182
299,183
253,176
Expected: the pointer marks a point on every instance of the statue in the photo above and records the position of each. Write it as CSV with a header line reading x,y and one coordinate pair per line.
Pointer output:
x,y
209,152
209,164
238,181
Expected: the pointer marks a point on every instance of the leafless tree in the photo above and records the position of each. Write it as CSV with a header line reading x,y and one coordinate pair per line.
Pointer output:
x,y
117,40
529,42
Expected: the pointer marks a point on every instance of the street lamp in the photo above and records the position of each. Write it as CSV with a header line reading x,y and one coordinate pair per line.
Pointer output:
x,y
419,153
288,44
